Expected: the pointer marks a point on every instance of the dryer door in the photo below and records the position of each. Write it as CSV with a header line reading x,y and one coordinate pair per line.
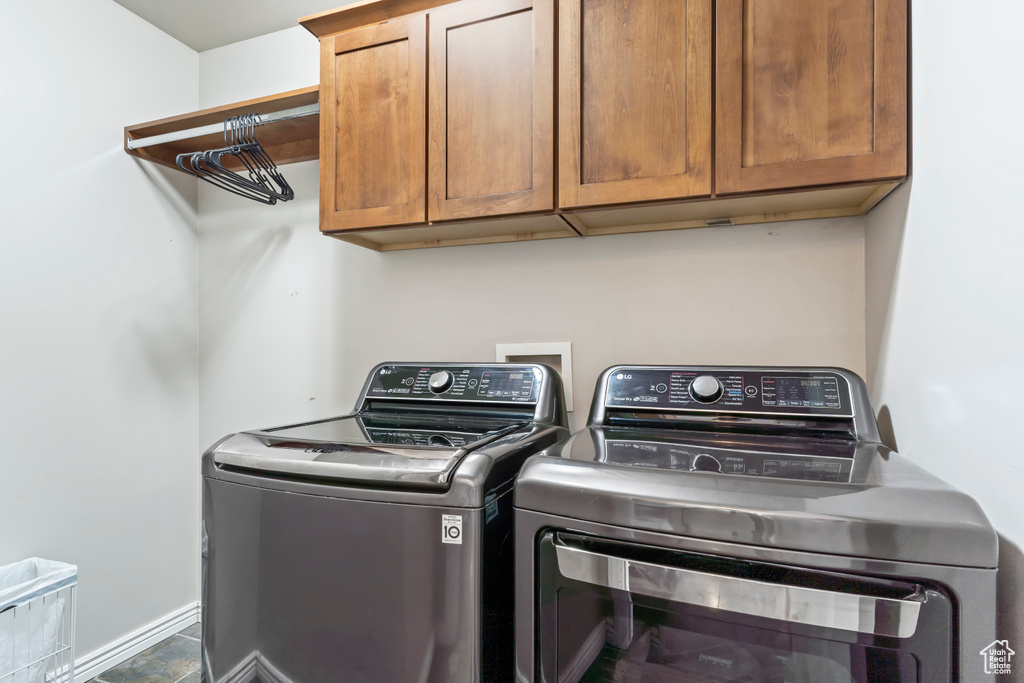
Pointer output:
x,y
613,611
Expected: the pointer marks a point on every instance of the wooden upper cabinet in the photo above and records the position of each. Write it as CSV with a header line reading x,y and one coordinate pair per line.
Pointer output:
x,y
810,92
491,108
373,126
440,114
634,100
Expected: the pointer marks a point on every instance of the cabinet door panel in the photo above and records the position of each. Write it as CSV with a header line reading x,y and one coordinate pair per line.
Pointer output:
x,y
810,92
491,108
634,100
373,126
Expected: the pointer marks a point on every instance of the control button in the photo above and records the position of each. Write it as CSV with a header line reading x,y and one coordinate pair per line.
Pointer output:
x,y
706,463
471,383
440,381
408,381
661,388
751,390
706,389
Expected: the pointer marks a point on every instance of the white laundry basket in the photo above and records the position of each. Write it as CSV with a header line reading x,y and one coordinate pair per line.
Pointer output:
x,y
37,621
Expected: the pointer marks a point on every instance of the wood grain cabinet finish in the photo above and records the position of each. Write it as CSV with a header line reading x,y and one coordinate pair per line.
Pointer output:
x,y
373,126
634,100
502,120
491,108
809,92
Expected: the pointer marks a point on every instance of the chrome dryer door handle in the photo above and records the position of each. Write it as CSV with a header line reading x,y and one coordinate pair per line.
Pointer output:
x,y
867,614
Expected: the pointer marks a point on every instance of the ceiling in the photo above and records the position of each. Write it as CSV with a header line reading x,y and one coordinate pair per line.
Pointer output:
x,y
206,24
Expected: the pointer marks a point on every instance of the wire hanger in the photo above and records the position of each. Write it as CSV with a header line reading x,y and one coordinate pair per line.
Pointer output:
x,y
261,182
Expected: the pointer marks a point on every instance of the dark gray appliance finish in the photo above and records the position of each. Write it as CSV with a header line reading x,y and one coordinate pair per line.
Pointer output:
x,y
376,546
740,526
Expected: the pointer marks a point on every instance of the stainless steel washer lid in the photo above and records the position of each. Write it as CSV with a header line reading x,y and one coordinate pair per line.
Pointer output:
x,y
896,512
407,450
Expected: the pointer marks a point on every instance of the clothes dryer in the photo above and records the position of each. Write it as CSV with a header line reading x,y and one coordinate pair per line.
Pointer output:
x,y
745,524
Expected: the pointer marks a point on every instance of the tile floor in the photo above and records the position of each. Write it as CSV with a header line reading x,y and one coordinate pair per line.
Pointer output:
x,y
174,660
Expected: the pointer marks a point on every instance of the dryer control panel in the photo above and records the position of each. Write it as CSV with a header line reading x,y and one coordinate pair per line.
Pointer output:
x,y
728,390
491,384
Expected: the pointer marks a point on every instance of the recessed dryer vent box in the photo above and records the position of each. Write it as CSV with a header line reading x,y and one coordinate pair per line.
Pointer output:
x,y
556,354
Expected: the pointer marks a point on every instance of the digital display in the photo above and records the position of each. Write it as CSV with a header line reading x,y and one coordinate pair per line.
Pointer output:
x,y
800,392
498,384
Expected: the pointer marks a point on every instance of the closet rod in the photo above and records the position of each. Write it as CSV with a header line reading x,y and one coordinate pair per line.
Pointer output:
x,y
307,110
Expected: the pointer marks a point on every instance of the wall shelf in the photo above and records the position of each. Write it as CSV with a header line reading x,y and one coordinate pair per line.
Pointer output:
x,y
288,141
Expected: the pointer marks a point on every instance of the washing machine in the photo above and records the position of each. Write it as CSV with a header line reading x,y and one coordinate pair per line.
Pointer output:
x,y
375,547
721,524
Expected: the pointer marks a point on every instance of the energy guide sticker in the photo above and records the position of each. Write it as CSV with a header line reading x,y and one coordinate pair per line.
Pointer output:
x,y
451,529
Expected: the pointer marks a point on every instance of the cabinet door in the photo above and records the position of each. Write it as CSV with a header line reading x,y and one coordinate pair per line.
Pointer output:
x,y
373,126
634,100
810,92
491,105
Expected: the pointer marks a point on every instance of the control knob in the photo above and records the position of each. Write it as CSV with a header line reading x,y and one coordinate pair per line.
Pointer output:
x,y
706,389
440,381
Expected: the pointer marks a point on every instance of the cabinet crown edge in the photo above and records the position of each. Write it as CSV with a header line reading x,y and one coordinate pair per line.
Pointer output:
x,y
363,13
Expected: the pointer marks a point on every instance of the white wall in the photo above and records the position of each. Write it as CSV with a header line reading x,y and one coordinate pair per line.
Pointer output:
x,y
277,62
98,385
263,351
291,321
945,332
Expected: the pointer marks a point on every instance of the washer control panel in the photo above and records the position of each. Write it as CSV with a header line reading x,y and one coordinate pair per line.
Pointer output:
x,y
498,384
797,392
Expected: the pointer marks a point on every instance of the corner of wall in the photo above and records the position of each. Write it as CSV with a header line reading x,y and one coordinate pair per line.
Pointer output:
x,y
883,241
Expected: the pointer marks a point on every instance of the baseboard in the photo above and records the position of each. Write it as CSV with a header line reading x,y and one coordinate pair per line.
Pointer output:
x,y
95,663
243,671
